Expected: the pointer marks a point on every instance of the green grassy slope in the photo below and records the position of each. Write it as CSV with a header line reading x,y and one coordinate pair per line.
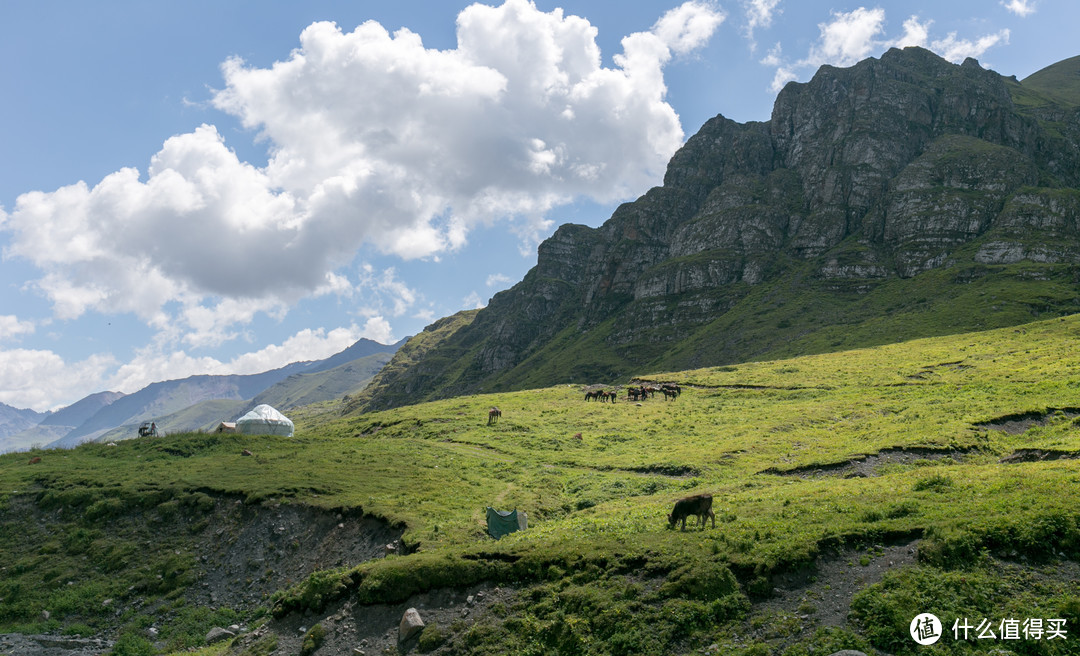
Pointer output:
x,y
415,355
599,571
1060,81
304,389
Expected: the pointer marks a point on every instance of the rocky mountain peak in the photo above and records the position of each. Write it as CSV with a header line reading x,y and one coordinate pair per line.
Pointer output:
x,y
883,171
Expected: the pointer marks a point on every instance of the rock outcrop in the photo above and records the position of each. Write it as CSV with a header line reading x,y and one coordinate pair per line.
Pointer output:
x,y
871,188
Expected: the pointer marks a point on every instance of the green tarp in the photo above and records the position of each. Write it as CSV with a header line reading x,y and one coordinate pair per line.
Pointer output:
x,y
501,522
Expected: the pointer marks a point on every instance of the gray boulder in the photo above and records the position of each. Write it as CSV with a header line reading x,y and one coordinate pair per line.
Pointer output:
x,y
217,634
411,625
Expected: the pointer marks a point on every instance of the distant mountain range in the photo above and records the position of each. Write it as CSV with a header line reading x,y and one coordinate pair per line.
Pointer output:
x,y
898,198
195,402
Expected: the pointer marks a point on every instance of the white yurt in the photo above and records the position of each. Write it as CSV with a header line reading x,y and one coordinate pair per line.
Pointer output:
x,y
264,420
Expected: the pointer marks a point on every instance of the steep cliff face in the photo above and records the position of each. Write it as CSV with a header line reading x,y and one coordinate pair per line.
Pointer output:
x,y
901,177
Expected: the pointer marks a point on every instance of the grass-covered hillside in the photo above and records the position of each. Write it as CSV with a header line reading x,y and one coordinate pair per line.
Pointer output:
x,y
852,491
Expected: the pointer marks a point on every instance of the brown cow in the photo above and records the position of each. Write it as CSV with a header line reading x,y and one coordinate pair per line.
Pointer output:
x,y
699,505
493,415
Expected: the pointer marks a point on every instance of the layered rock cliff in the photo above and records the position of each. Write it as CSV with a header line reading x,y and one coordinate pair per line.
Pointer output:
x,y
902,197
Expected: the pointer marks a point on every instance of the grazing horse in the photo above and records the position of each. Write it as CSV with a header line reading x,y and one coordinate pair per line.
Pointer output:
x,y
699,505
592,396
632,394
669,393
672,387
493,415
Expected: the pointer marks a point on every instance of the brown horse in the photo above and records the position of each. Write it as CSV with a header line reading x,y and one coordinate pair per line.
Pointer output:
x,y
699,506
493,415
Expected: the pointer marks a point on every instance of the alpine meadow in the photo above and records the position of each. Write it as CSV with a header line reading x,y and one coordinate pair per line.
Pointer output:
x,y
854,326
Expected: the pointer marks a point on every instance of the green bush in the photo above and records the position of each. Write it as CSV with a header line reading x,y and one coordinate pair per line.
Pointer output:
x,y
313,640
130,644
935,483
701,580
431,638
104,509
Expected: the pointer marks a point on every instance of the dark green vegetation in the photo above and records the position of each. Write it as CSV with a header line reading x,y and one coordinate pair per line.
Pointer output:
x,y
993,513
902,197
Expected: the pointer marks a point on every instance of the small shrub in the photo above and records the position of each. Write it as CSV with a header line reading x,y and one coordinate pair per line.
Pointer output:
x,y
313,640
898,510
871,516
104,509
935,483
131,644
431,638
1070,611
702,581
829,640
264,646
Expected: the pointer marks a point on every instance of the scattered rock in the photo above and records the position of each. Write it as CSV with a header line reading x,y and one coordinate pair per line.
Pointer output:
x,y
45,615
411,625
245,452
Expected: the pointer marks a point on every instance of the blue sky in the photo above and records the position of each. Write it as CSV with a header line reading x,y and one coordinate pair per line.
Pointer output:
x,y
209,187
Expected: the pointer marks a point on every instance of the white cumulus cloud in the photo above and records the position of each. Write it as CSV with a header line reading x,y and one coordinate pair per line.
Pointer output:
x,y
32,378
155,363
373,138
759,13
12,326
498,280
1021,8
850,37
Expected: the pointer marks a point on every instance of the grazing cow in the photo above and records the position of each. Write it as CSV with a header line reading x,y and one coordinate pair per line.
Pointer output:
x,y
493,415
699,505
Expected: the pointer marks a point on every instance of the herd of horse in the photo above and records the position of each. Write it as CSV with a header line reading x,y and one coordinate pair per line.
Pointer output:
x,y
671,391
699,505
